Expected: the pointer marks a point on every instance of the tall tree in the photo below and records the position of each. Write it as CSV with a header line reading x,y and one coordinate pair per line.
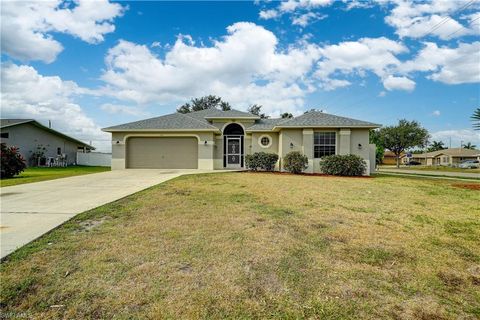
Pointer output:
x,y
203,103
286,115
405,135
476,119
436,146
256,109
469,145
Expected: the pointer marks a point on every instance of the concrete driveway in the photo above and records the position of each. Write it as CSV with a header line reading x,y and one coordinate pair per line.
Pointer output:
x,y
30,210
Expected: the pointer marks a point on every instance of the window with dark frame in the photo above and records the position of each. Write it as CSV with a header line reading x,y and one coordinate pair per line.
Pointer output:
x,y
265,141
59,151
323,144
4,135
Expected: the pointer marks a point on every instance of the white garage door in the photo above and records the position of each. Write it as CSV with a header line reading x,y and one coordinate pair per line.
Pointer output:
x,y
162,153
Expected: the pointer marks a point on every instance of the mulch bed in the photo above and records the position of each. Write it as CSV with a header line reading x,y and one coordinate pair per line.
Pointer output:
x,y
307,174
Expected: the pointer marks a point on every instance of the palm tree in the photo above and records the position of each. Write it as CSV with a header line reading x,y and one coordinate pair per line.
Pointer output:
x,y
435,146
476,119
469,145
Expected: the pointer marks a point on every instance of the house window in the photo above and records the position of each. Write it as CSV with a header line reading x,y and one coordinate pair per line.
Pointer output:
x,y
4,135
59,151
324,144
445,159
265,141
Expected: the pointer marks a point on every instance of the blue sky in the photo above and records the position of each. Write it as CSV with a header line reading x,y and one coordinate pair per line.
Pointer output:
x,y
87,65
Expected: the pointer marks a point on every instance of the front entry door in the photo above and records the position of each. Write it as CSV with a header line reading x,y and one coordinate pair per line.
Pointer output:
x,y
233,152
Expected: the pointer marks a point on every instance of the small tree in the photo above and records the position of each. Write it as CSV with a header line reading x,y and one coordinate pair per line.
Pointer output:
x,y
256,109
476,119
295,162
379,148
203,103
286,115
405,135
12,162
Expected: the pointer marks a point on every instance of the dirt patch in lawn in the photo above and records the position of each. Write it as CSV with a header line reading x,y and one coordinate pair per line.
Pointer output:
x,y
470,186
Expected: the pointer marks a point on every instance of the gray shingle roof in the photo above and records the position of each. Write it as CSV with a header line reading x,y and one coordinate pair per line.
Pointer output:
x,y
12,122
321,119
199,120
266,124
174,121
5,123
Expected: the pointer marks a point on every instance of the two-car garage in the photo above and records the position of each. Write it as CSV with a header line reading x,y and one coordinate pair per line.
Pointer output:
x,y
162,153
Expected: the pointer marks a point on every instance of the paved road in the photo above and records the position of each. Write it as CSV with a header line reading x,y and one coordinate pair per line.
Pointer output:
x,y
30,210
433,173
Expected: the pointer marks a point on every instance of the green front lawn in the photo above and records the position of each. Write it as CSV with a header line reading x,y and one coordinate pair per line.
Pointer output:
x,y
42,174
259,245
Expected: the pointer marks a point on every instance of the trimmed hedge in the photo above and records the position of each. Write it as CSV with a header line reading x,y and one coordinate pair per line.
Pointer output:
x,y
261,160
343,165
12,162
295,162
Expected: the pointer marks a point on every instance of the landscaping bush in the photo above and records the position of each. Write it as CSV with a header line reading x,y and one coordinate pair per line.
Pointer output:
x,y
343,165
12,162
261,160
295,162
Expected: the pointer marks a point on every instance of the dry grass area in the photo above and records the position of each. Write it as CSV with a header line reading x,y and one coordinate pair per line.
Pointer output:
x,y
246,245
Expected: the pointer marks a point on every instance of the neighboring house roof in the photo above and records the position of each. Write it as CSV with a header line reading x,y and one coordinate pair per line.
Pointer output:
x,y
199,120
6,123
454,152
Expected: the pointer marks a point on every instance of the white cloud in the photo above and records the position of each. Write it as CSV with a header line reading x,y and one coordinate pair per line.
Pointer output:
x,y
27,27
332,84
376,55
418,19
457,136
448,65
304,19
243,67
27,94
122,109
398,83
269,14
301,9
155,44
382,94
436,113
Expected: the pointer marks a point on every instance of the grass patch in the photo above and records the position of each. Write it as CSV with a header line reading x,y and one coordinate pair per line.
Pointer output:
x,y
235,246
30,175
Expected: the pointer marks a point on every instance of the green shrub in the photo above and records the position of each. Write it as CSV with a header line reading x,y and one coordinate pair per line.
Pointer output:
x,y
261,160
12,162
343,165
295,162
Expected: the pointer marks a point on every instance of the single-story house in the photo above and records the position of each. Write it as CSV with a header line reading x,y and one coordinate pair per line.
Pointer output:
x,y
445,157
216,139
29,136
389,158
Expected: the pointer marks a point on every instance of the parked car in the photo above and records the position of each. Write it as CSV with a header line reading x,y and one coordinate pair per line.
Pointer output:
x,y
469,164
413,163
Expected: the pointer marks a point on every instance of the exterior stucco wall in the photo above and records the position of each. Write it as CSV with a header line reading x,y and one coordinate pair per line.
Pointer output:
x,y
287,140
28,136
205,150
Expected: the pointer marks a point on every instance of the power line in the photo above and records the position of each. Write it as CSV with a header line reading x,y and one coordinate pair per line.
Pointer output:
x,y
444,20
451,34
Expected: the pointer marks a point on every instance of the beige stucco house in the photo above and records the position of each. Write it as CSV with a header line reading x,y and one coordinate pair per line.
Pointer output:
x,y
28,135
446,157
215,139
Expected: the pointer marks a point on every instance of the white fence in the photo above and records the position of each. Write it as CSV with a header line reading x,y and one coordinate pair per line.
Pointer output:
x,y
94,159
